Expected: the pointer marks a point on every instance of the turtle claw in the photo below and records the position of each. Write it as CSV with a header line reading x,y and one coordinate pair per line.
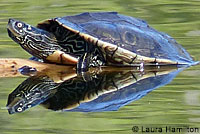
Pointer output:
x,y
26,70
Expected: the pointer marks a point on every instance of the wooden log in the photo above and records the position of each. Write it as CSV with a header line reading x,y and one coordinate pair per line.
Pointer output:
x,y
9,67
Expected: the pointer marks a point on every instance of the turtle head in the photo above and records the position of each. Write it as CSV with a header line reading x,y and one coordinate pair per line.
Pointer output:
x,y
37,42
16,105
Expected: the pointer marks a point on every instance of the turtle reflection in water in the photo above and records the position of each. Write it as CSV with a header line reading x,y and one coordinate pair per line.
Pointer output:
x,y
97,39
102,91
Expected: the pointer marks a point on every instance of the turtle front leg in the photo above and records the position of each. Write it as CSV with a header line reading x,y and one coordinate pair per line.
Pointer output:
x,y
87,60
83,63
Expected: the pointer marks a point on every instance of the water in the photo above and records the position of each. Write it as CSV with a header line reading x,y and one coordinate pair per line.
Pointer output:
x,y
94,91
175,104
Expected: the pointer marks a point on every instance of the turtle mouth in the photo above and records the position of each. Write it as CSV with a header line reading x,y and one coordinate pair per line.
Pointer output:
x,y
13,36
12,32
11,29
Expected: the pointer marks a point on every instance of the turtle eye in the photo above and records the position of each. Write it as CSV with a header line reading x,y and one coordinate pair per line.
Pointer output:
x,y
19,109
19,25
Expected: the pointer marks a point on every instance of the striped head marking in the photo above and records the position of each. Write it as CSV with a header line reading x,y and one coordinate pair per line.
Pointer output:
x,y
37,42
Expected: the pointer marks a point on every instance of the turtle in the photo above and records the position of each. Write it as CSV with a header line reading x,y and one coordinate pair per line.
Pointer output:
x,y
93,39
